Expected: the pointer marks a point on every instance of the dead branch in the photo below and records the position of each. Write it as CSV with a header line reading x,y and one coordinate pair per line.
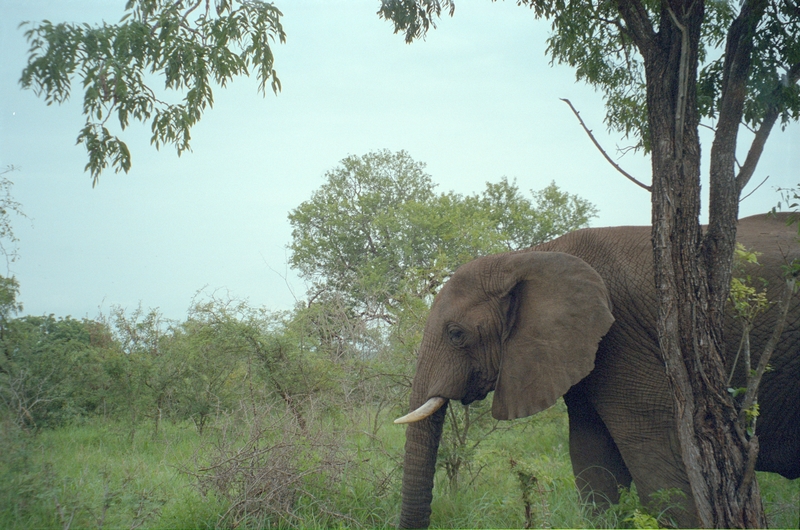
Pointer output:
x,y
597,144
755,189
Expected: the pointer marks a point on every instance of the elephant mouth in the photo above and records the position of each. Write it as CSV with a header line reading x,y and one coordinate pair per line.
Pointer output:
x,y
471,398
477,386
478,389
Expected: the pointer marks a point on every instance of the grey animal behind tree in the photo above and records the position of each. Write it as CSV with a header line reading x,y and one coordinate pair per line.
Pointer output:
x,y
577,317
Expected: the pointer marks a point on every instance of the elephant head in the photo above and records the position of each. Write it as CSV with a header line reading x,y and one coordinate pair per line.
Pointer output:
x,y
526,325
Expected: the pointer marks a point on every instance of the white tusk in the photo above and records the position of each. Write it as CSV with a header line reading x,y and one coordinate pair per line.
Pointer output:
x,y
430,406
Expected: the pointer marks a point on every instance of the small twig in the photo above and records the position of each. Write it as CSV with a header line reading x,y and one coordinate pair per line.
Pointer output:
x,y
754,189
596,144
65,524
752,386
706,126
186,16
736,357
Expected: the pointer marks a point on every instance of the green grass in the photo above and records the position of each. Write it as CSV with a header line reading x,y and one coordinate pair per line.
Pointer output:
x,y
781,499
96,475
103,474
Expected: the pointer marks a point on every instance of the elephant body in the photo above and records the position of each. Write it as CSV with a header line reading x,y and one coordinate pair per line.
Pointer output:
x,y
499,324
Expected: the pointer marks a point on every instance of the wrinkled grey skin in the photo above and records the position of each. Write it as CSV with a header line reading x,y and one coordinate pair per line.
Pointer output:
x,y
527,325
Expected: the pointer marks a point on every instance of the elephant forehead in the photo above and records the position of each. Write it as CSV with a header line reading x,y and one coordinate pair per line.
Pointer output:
x,y
464,290
467,309
483,277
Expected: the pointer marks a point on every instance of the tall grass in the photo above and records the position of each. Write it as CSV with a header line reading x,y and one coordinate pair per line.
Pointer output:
x,y
104,474
97,475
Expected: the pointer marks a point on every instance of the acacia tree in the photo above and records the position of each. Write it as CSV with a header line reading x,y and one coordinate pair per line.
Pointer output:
x,y
663,66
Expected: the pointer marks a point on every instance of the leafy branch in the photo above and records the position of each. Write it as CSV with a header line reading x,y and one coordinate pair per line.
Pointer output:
x,y
749,302
188,47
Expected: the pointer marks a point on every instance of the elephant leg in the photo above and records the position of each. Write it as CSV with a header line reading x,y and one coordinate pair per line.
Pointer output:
x,y
631,396
654,461
638,416
596,461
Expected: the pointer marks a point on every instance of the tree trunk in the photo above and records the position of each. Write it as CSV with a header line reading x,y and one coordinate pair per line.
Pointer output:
x,y
692,280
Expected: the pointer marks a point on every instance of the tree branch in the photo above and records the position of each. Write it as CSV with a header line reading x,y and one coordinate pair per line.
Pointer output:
x,y
616,166
752,386
639,27
756,148
754,189
762,134
683,83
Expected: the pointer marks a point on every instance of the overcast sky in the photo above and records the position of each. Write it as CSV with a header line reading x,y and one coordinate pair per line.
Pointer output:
x,y
476,101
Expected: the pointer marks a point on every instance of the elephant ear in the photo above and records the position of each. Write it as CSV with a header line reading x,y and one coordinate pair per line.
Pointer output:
x,y
557,310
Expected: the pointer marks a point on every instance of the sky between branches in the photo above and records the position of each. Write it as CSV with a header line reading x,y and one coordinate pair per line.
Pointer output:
x,y
476,101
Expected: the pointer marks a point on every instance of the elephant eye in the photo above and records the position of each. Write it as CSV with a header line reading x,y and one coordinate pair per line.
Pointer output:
x,y
457,336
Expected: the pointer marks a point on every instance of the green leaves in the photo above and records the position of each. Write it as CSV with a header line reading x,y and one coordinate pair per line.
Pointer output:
x,y
776,65
187,43
413,17
50,369
747,300
775,69
592,38
376,233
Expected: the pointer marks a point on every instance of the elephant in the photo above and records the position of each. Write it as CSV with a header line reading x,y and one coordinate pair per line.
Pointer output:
x,y
576,317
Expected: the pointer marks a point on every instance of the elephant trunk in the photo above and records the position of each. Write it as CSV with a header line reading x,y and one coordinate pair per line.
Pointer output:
x,y
422,445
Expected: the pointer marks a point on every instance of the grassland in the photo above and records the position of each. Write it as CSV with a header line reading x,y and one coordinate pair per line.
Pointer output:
x,y
258,468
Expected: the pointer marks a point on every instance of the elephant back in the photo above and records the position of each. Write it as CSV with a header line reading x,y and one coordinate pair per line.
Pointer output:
x,y
623,256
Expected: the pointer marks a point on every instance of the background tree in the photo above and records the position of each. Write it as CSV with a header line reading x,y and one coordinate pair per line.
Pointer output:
x,y
189,44
150,370
8,205
522,223
214,341
376,233
51,371
663,66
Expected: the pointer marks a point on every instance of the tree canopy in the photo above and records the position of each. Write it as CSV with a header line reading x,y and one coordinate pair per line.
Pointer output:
x,y
601,41
376,228
190,44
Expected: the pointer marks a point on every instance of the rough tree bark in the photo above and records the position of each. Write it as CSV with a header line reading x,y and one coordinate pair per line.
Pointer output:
x,y
693,270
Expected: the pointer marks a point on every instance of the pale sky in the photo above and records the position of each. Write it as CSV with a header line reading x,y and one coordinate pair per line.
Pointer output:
x,y
476,101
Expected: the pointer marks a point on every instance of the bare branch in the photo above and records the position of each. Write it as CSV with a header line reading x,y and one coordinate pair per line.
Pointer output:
x,y
597,144
755,189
